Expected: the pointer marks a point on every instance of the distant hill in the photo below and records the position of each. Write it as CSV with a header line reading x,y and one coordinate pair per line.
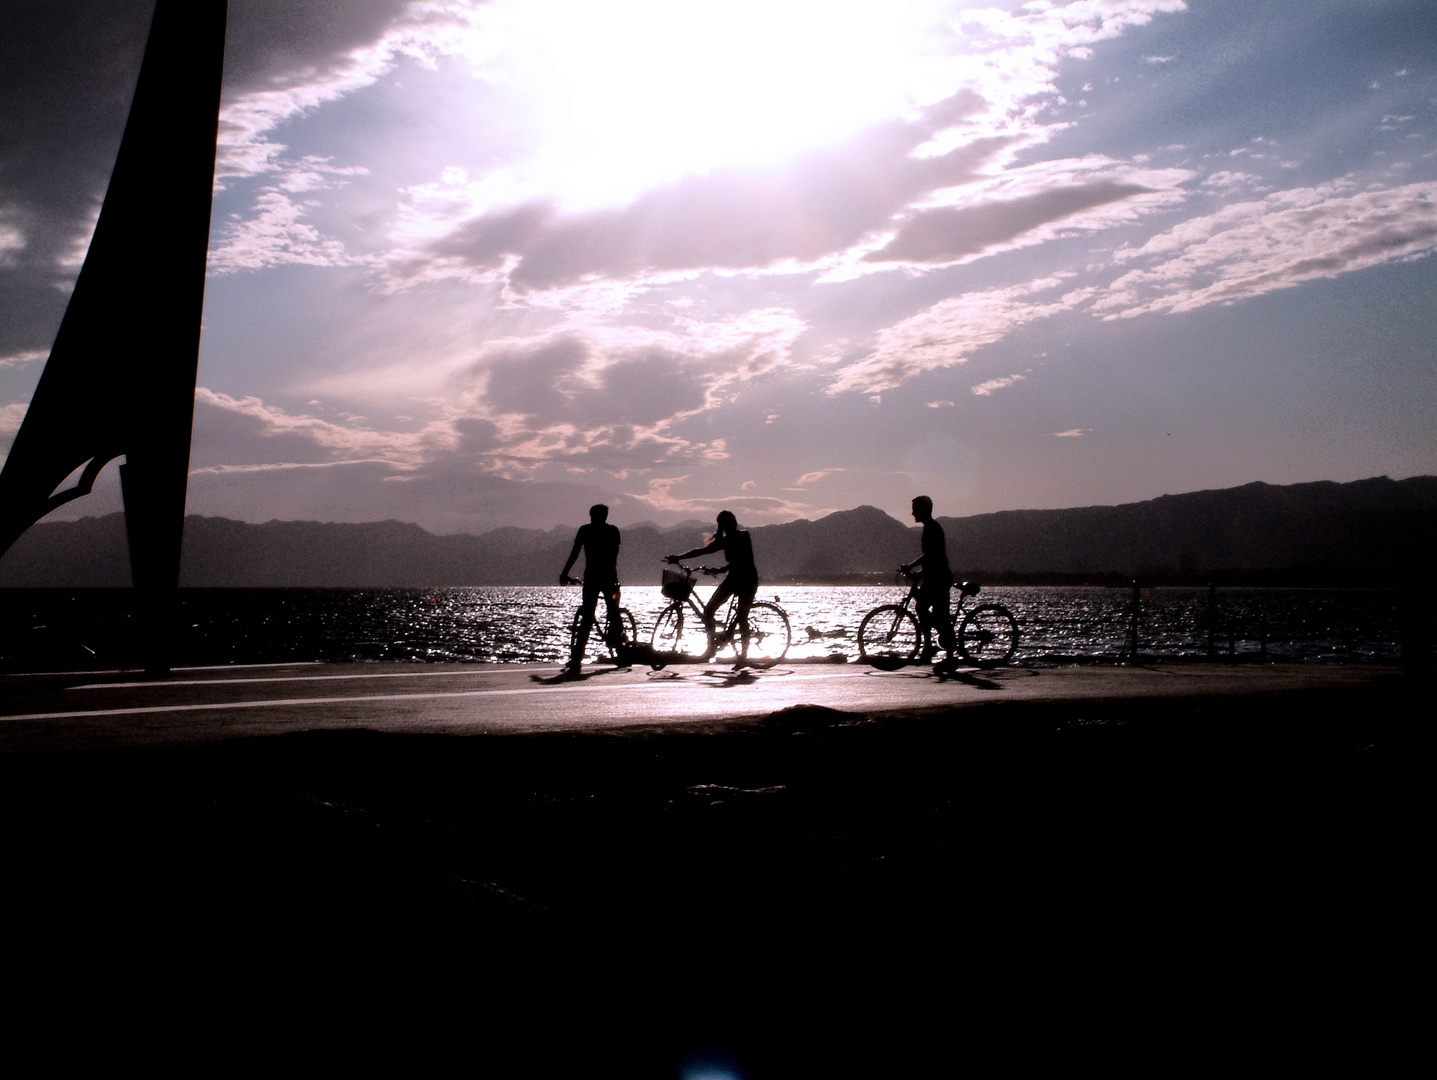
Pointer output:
x,y
1368,529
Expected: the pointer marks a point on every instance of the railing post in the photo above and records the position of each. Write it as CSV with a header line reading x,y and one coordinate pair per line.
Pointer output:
x,y
1134,625
1211,620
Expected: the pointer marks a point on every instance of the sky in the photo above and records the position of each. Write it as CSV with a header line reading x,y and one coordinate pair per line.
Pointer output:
x,y
484,264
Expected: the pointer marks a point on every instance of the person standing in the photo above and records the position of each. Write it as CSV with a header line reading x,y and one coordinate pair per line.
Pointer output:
x,y
600,543
742,579
934,583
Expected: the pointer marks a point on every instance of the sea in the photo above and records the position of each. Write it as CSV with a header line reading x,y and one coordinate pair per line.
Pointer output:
x,y
85,629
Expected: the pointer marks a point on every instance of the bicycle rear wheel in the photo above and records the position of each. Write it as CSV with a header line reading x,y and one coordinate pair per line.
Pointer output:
x,y
603,644
768,633
988,636
888,636
680,631
626,633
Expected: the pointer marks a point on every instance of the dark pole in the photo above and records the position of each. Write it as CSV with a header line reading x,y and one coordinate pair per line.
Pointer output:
x,y
121,375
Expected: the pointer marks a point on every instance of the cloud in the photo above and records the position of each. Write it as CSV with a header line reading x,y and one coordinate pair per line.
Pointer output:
x,y
277,235
11,417
349,51
949,332
1031,205
246,433
12,237
1244,250
1228,181
985,389
444,499
660,497
814,477
1251,248
612,397
737,219
1072,433
949,234
20,359
820,206
578,400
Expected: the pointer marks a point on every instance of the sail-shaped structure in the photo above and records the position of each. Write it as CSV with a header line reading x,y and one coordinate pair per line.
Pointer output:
x,y
120,380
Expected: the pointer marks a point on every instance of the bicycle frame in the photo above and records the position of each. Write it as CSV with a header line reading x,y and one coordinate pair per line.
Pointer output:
x,y
767,637
910,605
727,620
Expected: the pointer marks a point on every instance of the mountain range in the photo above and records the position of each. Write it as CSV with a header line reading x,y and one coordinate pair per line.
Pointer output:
x,y
1367,530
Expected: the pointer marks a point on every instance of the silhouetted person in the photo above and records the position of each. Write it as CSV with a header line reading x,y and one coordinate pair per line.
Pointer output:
x,y
600,543
742,579
934,583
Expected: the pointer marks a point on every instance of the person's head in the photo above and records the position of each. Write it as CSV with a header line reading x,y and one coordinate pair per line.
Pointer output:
x,y
922,508
598,513
726,523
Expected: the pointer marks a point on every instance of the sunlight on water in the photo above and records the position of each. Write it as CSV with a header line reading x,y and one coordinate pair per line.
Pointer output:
x,y
526,624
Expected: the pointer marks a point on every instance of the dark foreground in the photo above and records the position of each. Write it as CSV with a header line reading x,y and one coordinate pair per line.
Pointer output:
x,y
1128,885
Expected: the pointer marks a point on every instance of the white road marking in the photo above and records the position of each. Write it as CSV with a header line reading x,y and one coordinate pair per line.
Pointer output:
x,y
192,667
664,684
282,678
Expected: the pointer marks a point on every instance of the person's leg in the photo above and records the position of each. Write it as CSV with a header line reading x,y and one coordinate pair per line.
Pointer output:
x,y
616,621
922,609
941,617
721,594
745,601
586,624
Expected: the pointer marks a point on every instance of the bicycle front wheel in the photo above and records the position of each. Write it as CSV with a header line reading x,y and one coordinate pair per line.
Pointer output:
x,y
768,633
988,636
626,632
888,636
680,631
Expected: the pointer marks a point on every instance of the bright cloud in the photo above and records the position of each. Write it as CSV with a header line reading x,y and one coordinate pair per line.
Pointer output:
x,y
949,332
1251,248
984,389
289,439
660,496
12,237
522,252
20,359
426,31
11,416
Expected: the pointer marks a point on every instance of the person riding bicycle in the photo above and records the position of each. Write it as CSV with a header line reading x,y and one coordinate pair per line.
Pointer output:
x,y
742,579
600,543
934,584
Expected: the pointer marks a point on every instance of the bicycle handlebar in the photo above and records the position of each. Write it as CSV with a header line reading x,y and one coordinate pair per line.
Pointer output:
x,y
711,571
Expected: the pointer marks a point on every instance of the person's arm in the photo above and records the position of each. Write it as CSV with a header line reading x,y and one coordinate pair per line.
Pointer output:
x,y
696,552
573,558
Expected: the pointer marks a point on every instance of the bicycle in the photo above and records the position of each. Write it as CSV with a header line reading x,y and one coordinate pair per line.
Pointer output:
x,y
890,634
603,642
682,630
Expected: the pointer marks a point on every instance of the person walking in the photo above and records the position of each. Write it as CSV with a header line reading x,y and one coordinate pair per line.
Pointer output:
x,y
935,582
742,579
600,543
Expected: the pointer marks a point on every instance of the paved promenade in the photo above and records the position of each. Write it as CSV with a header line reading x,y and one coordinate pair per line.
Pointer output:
x,y
205,704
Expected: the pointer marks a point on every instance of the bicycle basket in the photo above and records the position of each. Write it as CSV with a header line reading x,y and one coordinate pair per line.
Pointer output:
x,y
676,586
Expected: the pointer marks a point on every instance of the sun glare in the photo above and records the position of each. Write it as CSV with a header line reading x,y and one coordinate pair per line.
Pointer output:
x,y
631,95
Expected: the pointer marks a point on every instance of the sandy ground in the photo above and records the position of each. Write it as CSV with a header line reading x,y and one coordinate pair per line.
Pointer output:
x,y
995,869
